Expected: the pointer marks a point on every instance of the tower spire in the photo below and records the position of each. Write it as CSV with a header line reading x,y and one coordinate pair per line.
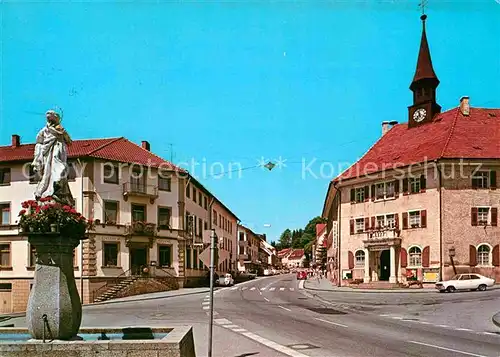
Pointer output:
x,y
424,70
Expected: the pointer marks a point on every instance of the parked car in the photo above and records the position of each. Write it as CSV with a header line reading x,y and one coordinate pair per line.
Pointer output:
x,y
470,281
301,275
226,280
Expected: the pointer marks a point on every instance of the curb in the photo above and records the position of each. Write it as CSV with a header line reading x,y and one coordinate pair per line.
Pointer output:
x,y
379,291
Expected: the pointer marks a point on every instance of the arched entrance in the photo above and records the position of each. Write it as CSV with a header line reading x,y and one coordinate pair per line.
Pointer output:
x,y
385,265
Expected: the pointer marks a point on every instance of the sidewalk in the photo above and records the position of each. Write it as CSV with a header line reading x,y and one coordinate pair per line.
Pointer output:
x,y
326,286
135,298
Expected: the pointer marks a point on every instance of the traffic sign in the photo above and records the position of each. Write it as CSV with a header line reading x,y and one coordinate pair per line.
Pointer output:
x,y
220,256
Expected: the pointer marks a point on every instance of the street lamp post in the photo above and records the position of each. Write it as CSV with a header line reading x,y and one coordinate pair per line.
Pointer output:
x,y
213,240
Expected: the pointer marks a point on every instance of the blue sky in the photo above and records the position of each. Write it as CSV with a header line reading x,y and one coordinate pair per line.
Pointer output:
x,y
231,82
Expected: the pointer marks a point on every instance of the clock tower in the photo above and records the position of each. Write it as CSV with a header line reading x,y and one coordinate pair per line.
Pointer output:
x,y
423,86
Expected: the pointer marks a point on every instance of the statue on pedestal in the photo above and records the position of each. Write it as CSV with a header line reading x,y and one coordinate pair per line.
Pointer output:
x,y
50,161
54,228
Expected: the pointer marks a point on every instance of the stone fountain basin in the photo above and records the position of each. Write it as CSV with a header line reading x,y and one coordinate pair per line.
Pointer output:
x,y
159,342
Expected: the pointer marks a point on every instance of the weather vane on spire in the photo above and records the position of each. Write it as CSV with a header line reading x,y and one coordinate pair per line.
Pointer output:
x,y
422,5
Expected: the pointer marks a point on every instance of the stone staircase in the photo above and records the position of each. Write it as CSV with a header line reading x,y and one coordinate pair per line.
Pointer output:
x,y
113,290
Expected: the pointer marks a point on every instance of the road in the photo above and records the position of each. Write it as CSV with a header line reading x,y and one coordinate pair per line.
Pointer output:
x,y
273,317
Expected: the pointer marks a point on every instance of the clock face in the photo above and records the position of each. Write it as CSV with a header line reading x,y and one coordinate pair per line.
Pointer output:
x,y
419,115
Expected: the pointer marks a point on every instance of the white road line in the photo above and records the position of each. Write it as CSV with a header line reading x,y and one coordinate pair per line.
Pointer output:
x,y
266,299
384,315
234,288
331,322
396,317
284,308
239,330
446,349
231,326
489,333
425,322
444,326
206,307
282,289
205,303
463,329
252,288
262,289
244,288
285,350
272,289
222,321
301,284
292,289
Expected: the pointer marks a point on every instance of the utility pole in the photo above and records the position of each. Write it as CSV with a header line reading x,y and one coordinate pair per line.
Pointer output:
x,y
213,240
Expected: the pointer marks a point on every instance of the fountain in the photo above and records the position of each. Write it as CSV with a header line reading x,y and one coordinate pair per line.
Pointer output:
x,y
54,313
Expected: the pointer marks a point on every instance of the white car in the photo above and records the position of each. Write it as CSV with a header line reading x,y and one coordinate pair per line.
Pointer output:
x,y
226,280
470,281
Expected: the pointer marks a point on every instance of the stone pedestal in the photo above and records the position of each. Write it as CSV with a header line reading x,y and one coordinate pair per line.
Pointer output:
x,y
54,308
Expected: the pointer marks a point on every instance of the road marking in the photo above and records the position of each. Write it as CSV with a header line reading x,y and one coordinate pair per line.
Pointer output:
x,y
292,289
205,303
231,326
490,333
396,317
444,326
425,322
462,329
272,289
244,288
284,308
266,299
384,315
206,307
282,289
446,349
239,330
262,289
222,321
252,288
285,350
234,288
331,322
301,284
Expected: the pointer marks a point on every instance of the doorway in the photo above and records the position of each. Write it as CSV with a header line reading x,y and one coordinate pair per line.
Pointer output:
x,y
138,259
385,265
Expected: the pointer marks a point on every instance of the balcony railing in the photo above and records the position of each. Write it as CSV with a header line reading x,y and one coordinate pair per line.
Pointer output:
x,y
142,228
243,257
243,243
140,189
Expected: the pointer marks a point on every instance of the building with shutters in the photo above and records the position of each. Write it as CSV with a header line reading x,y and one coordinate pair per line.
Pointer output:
x,y
422,203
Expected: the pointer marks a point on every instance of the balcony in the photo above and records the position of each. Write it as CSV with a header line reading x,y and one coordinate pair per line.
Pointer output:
x,y
243,243
244,257
382,238
136,189
142,229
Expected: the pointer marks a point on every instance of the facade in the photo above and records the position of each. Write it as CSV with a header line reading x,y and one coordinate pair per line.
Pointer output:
x,y
267,254
295,258
137,200
421,204
248,250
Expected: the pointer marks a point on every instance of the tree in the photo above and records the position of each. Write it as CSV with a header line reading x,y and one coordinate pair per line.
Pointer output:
x,y
311,226
285,239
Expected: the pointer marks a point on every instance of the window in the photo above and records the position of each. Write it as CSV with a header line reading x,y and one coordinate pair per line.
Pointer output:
x,y
214,218
110,173
360,258
483,255
390,221
188,191
415,219
164,214
205,202
110,212
482,215
200,227
165,256
32,257
164,182
194,194
138,213
5,255
71,171
220,220
360,194
414,184
415,254
480,179
205,225
241,236
380,221
384,190
360,225
34,177
200,198
138,182
5,176
5,214
188,258
195,258
110,257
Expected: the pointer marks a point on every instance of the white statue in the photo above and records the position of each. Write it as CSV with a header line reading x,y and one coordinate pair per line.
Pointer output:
x,y
50,161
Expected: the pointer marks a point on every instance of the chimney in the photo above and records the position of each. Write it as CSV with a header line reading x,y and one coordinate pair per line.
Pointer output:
x,y
145,145
464,106
16,140
385,127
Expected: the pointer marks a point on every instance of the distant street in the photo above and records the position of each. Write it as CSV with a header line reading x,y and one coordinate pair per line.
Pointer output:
x,y
273,317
